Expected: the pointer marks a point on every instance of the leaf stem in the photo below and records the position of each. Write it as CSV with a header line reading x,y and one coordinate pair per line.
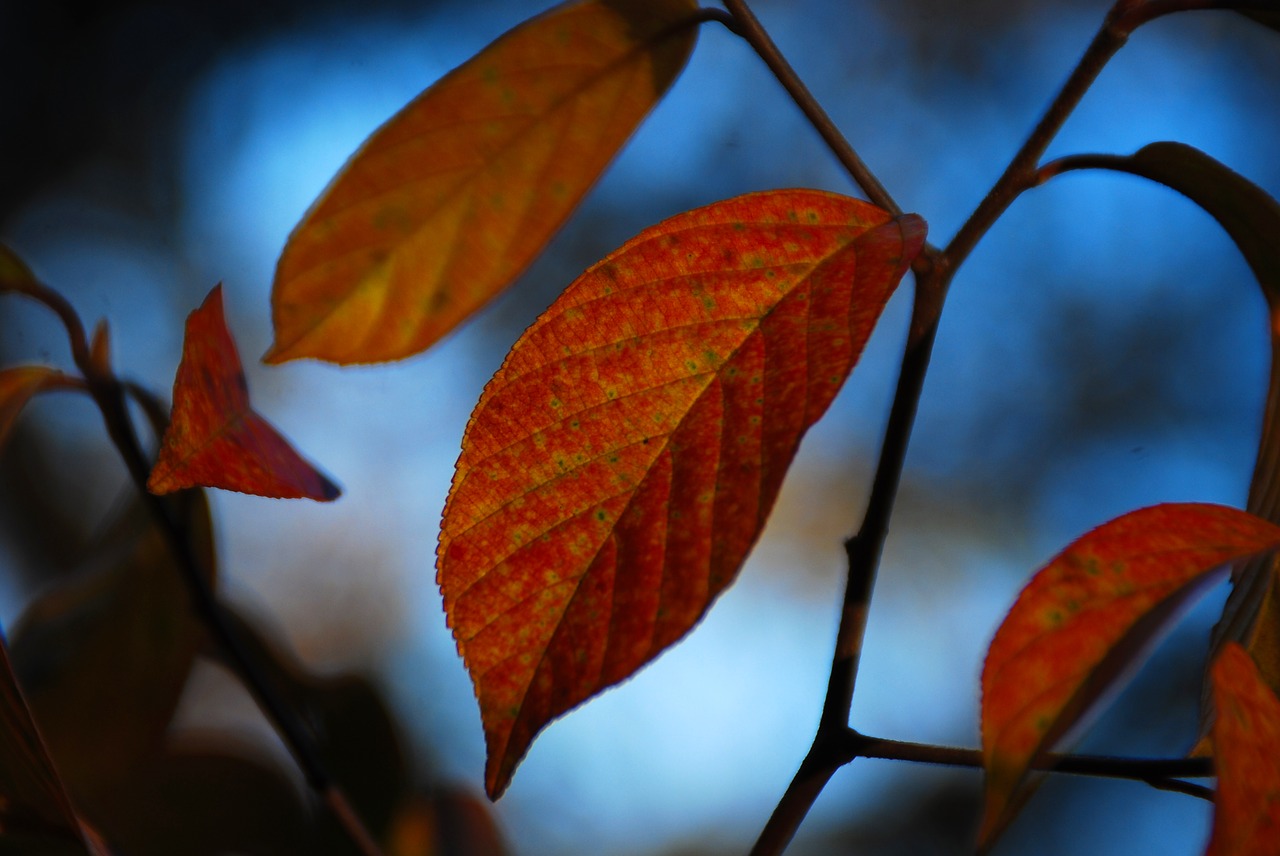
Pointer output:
x,y
863,551
110,396
1157,772
109,393
61,307
833,749
749,28
1021,173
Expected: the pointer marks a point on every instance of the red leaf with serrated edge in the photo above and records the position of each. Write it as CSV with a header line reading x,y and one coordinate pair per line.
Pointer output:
x,y
1246,749
623,460
453,197
1084,619
215,439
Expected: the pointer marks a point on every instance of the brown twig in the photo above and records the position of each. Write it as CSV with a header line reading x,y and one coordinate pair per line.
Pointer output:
x,y
1163,773
749,28
934,273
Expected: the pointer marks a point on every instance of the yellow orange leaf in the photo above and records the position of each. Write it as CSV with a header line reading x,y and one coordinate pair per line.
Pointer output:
x,y
215,439
624,458
1246,748
14,273
19,384
1084,619
453,197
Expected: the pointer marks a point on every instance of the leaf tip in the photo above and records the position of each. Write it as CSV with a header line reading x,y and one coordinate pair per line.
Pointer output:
x,y
15,275
159,483
276,354
327,490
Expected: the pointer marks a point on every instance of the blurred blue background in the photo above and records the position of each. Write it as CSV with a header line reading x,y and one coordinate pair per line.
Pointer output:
x,y
1104,349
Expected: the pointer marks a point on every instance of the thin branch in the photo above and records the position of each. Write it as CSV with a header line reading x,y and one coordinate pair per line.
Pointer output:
x,y
863,551
110,396
1020,174
66,313
750,29
1069,163
707,15
1178,786
934,273
791,810
1157,772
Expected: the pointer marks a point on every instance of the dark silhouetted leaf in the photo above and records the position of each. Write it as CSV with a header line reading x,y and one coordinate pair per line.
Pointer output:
x,y
103,659
622,462
1252,218
354,732
215,439
35,811
207,795
1265,17
1244,210
451,199
1085,619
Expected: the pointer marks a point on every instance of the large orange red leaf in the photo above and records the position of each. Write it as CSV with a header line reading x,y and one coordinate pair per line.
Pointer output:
x,y
454,196
1246,749
624,458
215,439
1084,619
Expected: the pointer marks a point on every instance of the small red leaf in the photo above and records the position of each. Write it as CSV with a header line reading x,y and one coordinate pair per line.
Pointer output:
x,y
623,460
1246,748
1084,619
214,438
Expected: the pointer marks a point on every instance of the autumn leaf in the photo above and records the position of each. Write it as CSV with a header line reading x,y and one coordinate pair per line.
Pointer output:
x,y
15,276
1247,213
453,197
215,439
1246,740
1084,619
625,456
354,733
208,795
103,658
20,384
